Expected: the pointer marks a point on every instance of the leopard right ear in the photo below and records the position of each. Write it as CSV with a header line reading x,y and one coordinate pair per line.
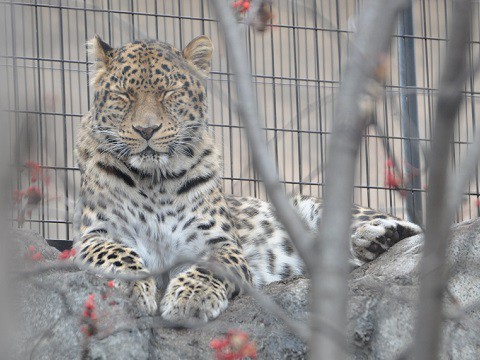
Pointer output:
x,y
199,52
102,54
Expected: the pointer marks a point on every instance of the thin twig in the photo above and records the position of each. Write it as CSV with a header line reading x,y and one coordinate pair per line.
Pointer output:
x,y
264,301
262,162
329,278
78,265
440,214
297,328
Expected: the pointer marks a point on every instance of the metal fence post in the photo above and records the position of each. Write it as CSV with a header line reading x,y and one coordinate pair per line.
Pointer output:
x,y
408,104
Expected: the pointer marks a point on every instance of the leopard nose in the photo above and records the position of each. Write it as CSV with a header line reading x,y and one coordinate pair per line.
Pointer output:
x,y
146,132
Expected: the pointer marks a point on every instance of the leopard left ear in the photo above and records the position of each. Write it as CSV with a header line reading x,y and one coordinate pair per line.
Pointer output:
x,y
100,50
199,52
102,54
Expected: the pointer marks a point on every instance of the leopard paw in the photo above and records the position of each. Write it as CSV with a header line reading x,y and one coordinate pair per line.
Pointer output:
x,y
372,238
144,295
190,299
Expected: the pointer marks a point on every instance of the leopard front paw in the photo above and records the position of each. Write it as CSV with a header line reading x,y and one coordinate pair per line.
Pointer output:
x,y
190,299
144,295
374,237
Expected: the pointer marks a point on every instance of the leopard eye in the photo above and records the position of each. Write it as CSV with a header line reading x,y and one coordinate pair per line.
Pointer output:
x,y
121,95
167,93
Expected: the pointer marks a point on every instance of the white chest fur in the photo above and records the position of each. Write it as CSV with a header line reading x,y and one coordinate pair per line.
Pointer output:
x,y
160,236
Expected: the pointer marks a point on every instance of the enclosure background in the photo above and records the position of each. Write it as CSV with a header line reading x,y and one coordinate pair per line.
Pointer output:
x,y
296,64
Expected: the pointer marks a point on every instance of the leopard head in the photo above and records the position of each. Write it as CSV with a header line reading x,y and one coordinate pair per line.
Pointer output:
x,y
149,100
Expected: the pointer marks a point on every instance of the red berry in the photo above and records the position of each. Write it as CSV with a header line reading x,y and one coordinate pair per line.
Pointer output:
x,y
391,180
218,344
249,350
65,254
34,195
32,165
37,256
84,329
90,302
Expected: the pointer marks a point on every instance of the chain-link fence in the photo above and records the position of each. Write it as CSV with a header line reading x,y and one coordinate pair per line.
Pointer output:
x,y
296,65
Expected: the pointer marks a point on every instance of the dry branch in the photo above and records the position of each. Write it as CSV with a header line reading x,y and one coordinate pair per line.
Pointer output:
x,y
440,214
262,162
329,277
264,301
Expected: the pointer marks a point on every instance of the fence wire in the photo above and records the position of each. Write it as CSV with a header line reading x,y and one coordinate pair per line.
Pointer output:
x,y
296,65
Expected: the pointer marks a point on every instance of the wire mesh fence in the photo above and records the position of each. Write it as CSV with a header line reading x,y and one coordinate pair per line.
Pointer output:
x,y
297,68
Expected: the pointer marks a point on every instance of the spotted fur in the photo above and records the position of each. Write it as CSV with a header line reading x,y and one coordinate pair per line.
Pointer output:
x,y
151,194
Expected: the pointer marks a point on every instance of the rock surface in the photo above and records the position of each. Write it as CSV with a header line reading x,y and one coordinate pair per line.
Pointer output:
x,y
384,295
381,318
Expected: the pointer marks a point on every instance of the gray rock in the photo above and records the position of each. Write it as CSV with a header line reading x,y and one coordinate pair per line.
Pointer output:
x,y
381,319
384,295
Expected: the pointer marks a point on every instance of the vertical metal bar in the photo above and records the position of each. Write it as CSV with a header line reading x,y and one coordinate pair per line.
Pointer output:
x,y
274,99
252,61
109,22
408,104
297,96
318,98
283,85
64,122
339,40
86,53
202,15
230,120
180,28
156,20
366,143
17,142
39,109
132,9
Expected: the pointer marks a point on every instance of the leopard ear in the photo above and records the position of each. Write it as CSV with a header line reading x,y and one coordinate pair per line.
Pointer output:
x,y
102,54
199,52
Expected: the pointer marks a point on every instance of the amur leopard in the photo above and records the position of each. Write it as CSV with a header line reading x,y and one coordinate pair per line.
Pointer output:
x,y
151,189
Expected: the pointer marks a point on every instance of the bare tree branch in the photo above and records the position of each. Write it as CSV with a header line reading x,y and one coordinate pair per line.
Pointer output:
x,y
329,277
298,328
78,265
440,214
262,162
264,301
